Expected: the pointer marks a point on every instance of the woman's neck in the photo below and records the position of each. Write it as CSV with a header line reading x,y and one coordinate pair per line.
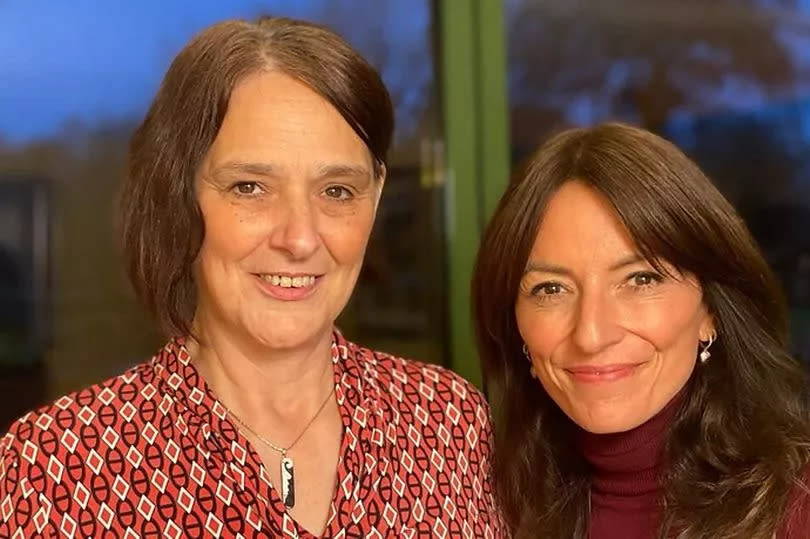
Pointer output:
x,y
628,464
272,390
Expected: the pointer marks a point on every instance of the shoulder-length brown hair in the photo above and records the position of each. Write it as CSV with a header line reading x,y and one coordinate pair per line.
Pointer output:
x,y
740,440
161,224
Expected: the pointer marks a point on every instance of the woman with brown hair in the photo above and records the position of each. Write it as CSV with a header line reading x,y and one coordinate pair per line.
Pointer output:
x,y
635,340
252,189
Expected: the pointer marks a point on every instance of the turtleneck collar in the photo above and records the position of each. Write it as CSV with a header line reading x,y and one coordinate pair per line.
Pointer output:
x,y
627,466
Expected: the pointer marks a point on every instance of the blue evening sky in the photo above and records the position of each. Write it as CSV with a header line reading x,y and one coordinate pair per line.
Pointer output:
x,y
96,61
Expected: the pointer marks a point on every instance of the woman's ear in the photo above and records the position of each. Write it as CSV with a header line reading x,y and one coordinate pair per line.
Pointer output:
x,y
707,330
380,182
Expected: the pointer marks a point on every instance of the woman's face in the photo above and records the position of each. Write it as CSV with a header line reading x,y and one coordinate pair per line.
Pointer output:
x,y
611,339
288,198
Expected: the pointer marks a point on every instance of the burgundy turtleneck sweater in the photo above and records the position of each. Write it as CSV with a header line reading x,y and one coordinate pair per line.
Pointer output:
x,y
626,491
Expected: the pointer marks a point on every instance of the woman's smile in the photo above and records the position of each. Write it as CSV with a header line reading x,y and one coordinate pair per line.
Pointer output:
x,y
593,374
287,287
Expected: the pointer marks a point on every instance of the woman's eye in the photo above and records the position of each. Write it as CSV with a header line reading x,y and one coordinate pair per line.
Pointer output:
x,y
645,278
338,192
547,289
246,188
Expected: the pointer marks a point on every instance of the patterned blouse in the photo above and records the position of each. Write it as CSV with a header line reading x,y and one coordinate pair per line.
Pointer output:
x,y
152,453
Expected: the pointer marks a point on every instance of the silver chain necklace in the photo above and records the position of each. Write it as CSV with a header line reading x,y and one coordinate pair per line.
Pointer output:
x,y
287,465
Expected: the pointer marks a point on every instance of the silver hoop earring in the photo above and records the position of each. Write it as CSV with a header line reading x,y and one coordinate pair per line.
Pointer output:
x,y
705,354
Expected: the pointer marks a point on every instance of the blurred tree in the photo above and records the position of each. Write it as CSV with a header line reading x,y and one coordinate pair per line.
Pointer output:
x,y
641,60
756,158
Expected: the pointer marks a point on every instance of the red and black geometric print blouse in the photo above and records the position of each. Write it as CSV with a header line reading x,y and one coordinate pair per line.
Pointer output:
x,y
152,453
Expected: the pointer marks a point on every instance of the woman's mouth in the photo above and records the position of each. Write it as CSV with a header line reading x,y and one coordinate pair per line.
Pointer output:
x,y
287,287
602,373
285,281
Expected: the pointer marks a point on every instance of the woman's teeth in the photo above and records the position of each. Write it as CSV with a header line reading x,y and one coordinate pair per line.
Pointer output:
x,y
289,282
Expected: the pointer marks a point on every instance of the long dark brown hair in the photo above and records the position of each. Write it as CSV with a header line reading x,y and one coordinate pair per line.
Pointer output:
x,y
740,441
161,224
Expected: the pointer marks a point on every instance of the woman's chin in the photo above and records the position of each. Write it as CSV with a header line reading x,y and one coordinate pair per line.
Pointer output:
x,y
287,333
607,419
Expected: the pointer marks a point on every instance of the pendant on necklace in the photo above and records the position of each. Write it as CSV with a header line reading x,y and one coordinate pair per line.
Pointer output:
x,y
288,482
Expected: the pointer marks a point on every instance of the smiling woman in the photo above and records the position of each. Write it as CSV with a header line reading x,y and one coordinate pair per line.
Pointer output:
x,y
253,187
636,341
611,338
286,225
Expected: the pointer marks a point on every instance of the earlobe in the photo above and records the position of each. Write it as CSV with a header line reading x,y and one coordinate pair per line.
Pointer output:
x,y
707,327
708,334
